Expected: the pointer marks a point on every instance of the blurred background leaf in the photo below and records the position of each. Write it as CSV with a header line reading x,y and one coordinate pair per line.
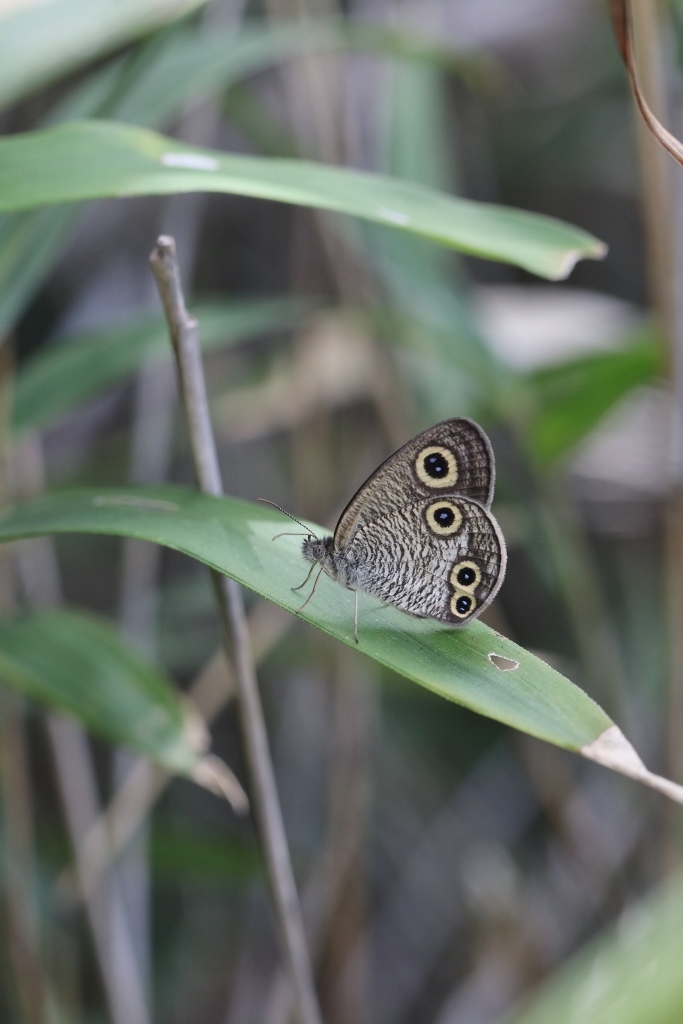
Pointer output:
x,y
41,41
628,975
96,160
58,381
76,664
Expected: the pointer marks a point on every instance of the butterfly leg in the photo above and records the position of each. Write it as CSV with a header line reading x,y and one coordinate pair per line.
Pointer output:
x,y
312,592
355,617
306,580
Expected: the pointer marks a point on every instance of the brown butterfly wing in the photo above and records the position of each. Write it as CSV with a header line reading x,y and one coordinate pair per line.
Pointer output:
x,y
453,457
441,558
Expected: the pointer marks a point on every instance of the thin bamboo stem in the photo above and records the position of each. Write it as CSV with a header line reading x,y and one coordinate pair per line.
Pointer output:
x,y
183,331
38,570
123,985
18,864
17,853
663,200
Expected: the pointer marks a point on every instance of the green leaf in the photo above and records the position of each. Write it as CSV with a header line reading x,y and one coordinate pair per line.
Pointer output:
x,y
29,247
474,666
30,243
235,537
77,664
573,398
70,372
190,65
426,283
632,975
98,159
197,63
41,41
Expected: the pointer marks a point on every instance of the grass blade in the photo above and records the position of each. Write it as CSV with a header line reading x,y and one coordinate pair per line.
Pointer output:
x,y
235,537
98,159
62,377
40,42
77,664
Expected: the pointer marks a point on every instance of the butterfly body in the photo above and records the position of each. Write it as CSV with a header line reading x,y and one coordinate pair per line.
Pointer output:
x,y
418,533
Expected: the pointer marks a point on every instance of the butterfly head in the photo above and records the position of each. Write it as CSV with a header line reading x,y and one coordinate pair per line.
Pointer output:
x,y
318,549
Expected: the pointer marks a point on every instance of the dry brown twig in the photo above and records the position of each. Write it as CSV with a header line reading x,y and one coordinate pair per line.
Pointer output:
x,y
183,331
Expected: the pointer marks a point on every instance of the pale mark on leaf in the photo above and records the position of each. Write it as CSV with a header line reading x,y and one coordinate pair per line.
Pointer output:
x,y
135,501
393,216
190,161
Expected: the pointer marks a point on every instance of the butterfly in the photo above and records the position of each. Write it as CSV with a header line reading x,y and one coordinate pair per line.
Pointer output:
x,y
419,533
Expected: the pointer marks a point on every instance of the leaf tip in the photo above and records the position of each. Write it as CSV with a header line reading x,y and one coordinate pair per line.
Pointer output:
x,y
214,775
195,730
612,750
597,250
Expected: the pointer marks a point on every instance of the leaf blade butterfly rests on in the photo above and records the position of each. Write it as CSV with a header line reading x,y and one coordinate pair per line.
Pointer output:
x,y
419,533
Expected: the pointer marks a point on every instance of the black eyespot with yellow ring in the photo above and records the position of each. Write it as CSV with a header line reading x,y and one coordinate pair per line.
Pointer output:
x,y
466,576
443,518
436,466
463,604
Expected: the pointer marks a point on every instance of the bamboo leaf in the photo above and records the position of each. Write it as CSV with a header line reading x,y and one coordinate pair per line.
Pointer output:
x,y
474,666
573,398
65,375
98,159
40,41
196,64
29,247
628,976
77,664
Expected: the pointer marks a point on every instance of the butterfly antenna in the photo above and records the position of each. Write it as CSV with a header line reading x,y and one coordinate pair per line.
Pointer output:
x,y
309,533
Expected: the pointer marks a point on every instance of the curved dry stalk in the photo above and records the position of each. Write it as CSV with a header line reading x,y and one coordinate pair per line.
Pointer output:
x,y
623,29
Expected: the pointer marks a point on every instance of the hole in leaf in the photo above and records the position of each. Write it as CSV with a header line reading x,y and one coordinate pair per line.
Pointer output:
x,y
504,664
